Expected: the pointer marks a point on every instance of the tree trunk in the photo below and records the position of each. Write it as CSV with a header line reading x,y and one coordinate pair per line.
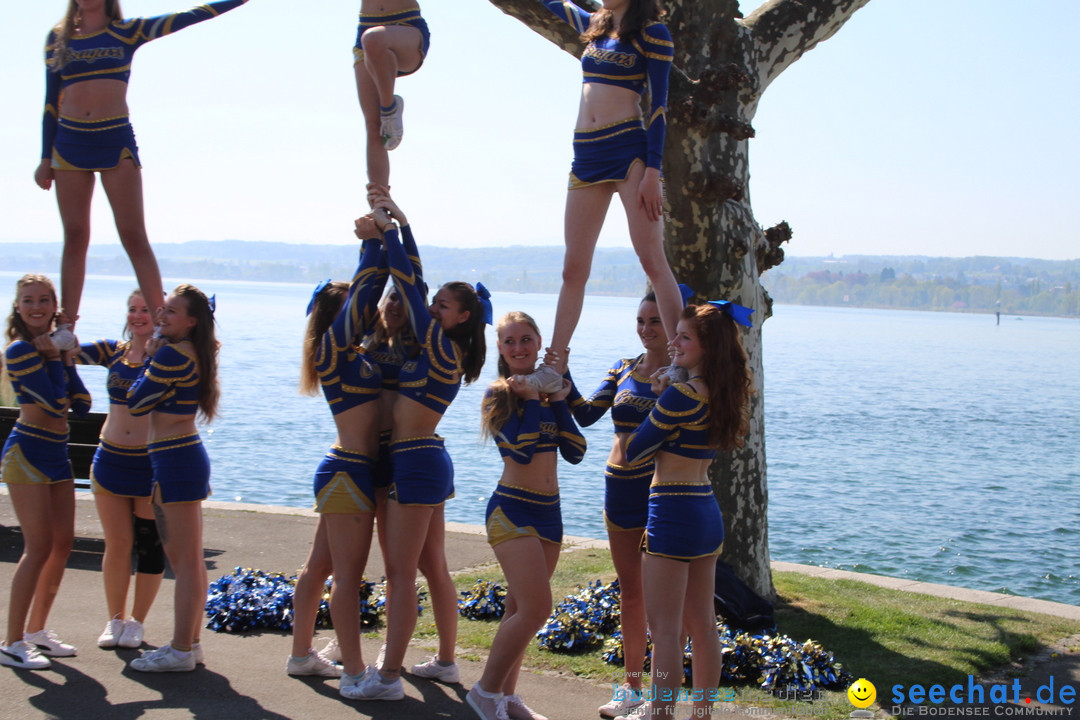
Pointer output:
x,y
722,65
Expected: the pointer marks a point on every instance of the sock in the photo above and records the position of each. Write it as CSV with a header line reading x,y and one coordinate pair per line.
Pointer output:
x,y
389,110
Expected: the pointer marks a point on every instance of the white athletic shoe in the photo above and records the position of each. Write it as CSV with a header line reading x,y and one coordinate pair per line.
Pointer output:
x,y
110,637
614,708
372,687
545,379
643,710
132,636
488,706
391,128
64,339
164,659
676,374
331,651
23,655
514,708
48,644
312,664
432,670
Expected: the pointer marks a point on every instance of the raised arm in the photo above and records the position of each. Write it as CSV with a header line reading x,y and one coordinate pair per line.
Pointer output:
x,y
96,353
569,13
40,381
357,315
152,28
168,368
77,393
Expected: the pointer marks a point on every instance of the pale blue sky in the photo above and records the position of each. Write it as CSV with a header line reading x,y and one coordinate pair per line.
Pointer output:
x,y
949,131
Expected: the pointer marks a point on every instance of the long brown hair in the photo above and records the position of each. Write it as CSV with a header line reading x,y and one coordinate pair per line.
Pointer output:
x,y
726,369
66,28
327,305
16,328
639,13
469,335
204,339
499,402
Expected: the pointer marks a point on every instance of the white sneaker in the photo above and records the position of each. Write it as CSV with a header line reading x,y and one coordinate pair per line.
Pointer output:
x,y
432,670
164,659
371,687
331,651
196,650
676,374
350,684
23,655
48,644
312,664
644,710
391,128
545,379
630,699
132,636
487,705
514,708
64,339
110,637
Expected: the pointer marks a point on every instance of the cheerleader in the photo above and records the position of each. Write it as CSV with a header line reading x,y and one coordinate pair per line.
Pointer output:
x,y
37,471
684,533
178,380
524,521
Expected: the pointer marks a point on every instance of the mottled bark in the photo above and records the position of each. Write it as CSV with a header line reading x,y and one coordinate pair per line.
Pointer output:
x,y
715,245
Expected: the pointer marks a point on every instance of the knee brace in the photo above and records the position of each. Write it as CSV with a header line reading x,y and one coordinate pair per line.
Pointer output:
x,y
149,552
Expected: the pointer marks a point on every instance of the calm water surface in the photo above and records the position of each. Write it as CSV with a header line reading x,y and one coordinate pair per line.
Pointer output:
x,y
931,446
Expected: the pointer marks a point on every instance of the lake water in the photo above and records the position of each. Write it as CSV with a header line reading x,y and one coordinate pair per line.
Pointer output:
x,y
932,446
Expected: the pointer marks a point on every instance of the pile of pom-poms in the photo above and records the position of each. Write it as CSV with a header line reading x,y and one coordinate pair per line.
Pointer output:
x,y
485,600
589,619
582,620
250,599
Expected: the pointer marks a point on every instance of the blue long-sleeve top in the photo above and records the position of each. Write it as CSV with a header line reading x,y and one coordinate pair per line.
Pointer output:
x,y
47,384
433,377
121,373
107,54
679,424
390,358
644,61
623,390
168,382
539,427
348,377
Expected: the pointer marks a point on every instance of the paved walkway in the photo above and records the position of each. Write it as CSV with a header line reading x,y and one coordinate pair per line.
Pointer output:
x,y
244,676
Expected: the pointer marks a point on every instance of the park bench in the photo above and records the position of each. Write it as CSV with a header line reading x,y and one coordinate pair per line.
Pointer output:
x,y
81,445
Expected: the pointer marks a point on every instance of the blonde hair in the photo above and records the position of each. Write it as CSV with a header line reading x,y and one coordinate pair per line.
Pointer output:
x,y
499,402
327,305
66,28
16,328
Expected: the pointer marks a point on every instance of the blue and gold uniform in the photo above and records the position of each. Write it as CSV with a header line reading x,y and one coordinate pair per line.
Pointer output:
x,y
423,472
169,383
117,469
606,154
512,511
75,144
629,396
390,357
34,455
343,481
684,518
410,17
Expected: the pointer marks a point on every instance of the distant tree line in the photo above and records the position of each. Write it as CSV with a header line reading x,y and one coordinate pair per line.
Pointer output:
x,y
972,284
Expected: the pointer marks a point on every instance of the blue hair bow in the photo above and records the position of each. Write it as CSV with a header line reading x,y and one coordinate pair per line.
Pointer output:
x,y
315,293
485,302
687,292
738,313
212,302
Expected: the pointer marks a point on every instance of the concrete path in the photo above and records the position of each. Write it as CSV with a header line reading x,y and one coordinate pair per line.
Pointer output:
x,y
244,676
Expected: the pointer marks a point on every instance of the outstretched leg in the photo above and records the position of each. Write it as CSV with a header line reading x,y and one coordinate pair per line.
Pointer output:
x,y
74,191
123,185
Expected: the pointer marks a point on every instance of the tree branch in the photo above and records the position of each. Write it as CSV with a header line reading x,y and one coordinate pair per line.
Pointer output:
x,y
539,19
784,30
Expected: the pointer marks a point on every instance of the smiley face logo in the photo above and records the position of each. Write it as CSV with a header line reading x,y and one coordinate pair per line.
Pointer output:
x,y
862,693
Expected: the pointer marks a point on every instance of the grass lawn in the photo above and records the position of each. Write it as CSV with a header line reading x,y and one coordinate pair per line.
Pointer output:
x,y
886,636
